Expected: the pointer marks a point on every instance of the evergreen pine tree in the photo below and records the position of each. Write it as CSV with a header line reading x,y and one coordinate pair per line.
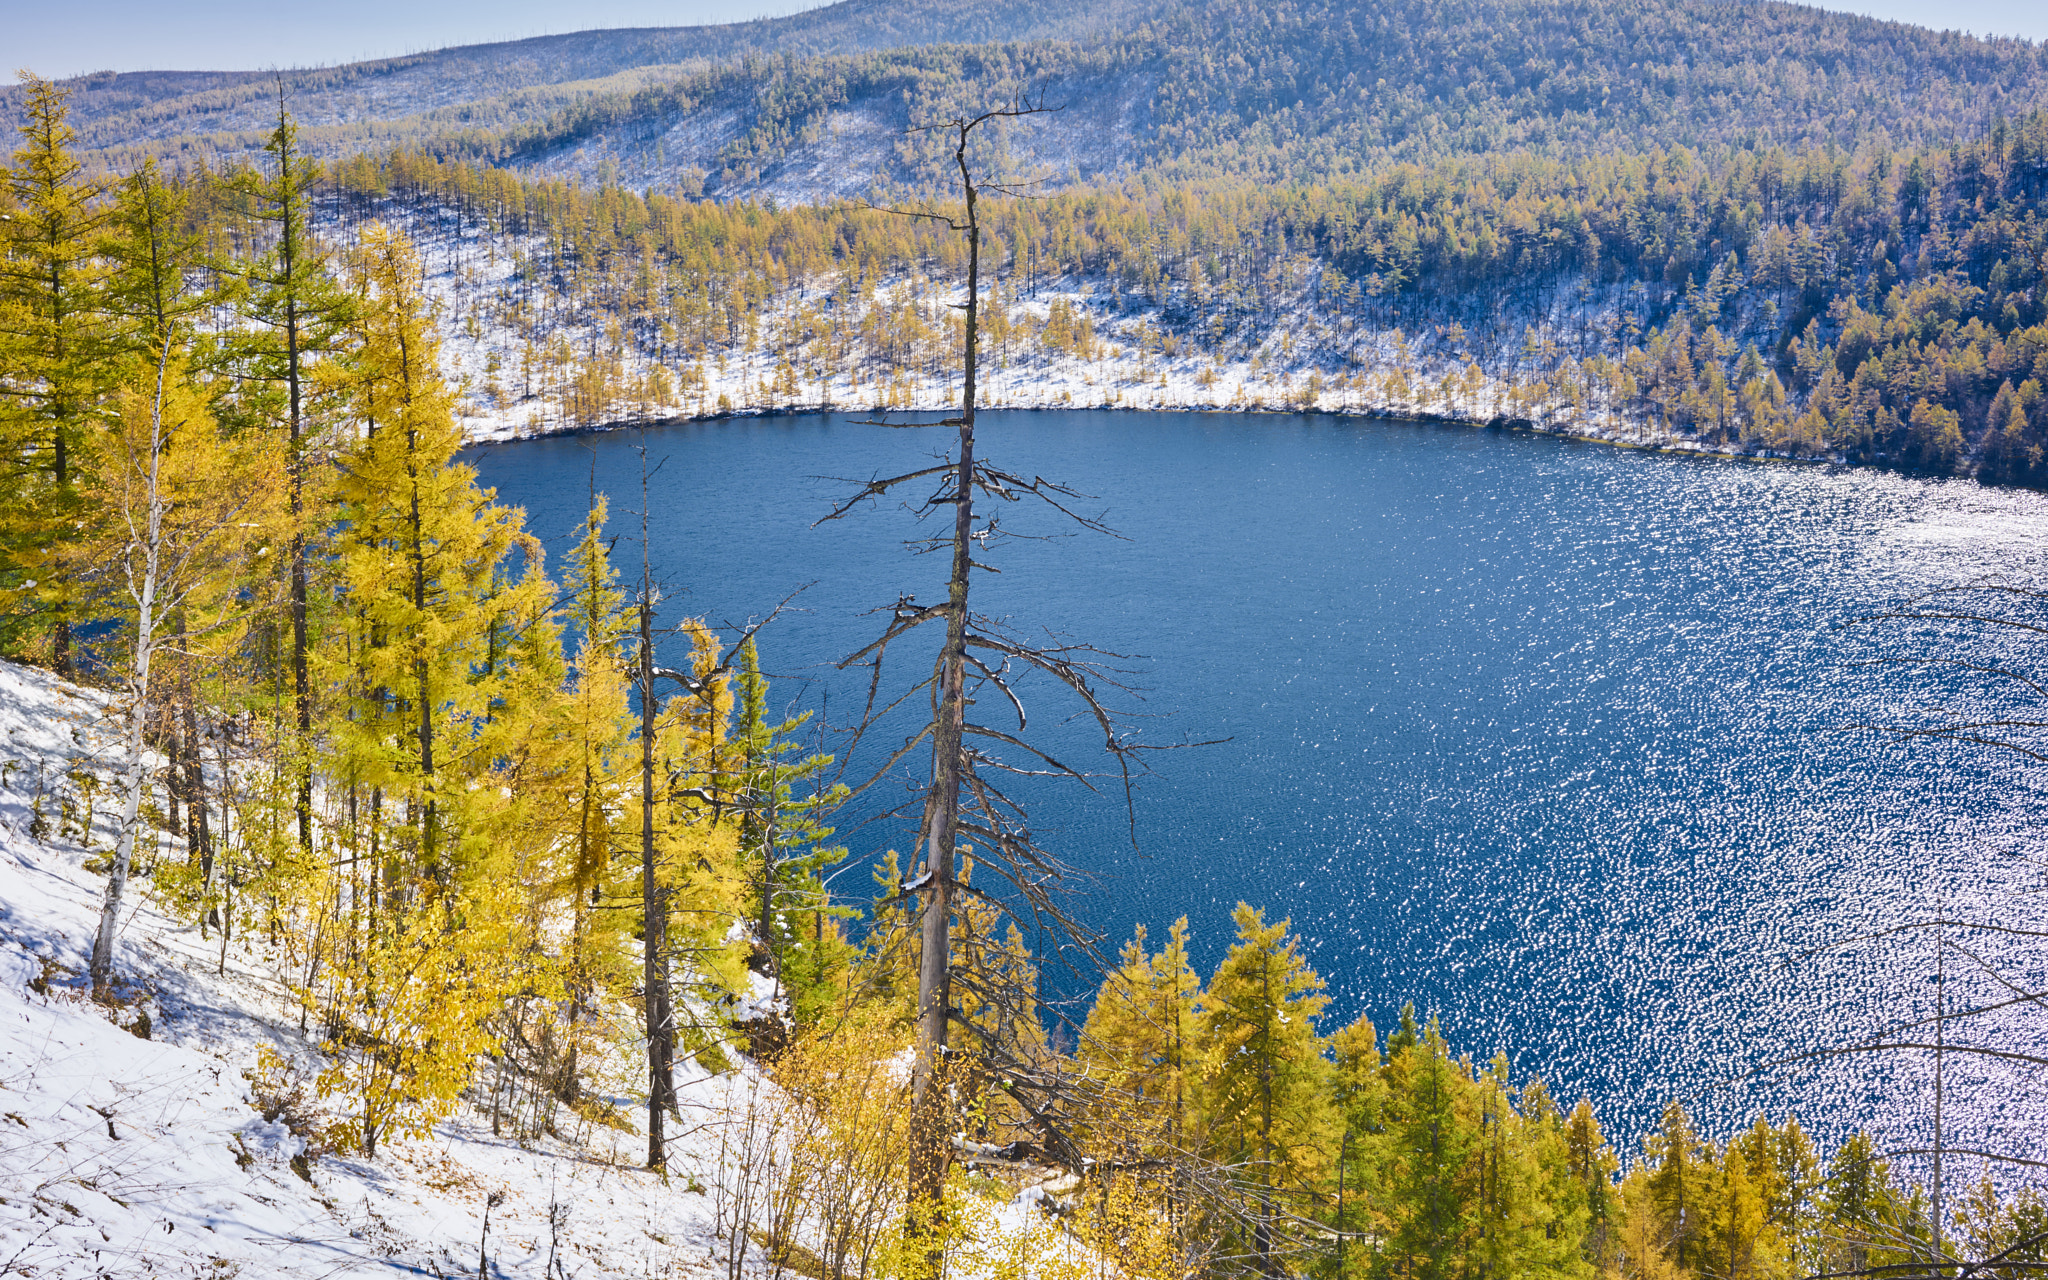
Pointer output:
x,y
599,795
419,565
447,664
1141,1040
783,845
1358,1210
1740,1243
1408,1036
300,314
1531,1216
1870,1221
1681,1185
1592,1165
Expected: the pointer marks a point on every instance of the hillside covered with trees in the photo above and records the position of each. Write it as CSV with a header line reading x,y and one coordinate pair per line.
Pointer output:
x,y
1872,306
1752,227
1299,91
362,719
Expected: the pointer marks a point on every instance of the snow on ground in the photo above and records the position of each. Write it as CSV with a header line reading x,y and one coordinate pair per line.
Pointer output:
x,y
125,1156
1306,355
132,1142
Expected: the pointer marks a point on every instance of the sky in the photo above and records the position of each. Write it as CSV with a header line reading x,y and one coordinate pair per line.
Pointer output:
x,y
71,37
58,38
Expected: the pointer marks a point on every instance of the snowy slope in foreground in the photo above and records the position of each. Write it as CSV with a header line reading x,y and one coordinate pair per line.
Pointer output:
x,y
122,1156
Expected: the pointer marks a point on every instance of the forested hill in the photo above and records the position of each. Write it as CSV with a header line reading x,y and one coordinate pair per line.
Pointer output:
x,y
1307,90
1293,88
448,91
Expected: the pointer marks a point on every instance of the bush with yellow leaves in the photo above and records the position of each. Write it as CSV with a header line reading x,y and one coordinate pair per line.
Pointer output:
x,y
409,1012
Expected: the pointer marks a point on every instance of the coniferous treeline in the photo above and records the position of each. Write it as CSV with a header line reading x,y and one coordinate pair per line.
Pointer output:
x,y
1875,305
505,83
233,496
1319,90
1354,1154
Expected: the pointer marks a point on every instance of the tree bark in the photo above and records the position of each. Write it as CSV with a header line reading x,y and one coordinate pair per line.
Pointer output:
x,y
931,1151
654,908
290,251
101,967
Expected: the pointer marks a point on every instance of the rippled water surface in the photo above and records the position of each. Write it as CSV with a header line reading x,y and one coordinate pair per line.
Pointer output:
x,y
1542,736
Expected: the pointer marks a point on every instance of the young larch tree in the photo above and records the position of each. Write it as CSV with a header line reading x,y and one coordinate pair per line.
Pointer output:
x,y
55,368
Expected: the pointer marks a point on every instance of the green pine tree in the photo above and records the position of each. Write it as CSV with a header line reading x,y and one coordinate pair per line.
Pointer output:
x,y
1592,1164
1434,1134
1681,1184
1265,1083
1358,1210
783,845
298,314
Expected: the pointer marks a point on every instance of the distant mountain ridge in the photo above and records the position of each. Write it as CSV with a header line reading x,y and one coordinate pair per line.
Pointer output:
x,y
816,105
116,108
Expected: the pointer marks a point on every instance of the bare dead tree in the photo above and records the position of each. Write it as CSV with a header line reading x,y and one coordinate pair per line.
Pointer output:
x,y
658,1010
964,809
657,995
977,1016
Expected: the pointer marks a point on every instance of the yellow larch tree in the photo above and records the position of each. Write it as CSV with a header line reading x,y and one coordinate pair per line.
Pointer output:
x,y
448,649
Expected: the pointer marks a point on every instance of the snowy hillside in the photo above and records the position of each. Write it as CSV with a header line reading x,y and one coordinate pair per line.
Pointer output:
x,y
134,1141
1303,354
133,1144
512,83
169,1135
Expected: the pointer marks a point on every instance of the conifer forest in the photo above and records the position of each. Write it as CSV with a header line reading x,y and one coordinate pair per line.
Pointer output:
x,y
522,850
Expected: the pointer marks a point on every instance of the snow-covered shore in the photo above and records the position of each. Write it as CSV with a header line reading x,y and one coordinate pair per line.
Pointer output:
x,y
1307,355
158,1136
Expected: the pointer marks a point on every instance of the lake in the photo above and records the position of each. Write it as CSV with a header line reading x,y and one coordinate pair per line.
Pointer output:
x,y
1543,736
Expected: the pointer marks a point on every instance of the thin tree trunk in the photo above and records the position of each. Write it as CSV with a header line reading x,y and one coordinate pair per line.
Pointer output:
x,y
770,957
289,253
423,694
145,594
60,451
654,907
198,833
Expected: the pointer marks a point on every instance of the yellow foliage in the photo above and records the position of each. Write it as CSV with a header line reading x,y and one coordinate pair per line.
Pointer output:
x,y
1642,1245
699,862
410,1011
1125,1228
852,1079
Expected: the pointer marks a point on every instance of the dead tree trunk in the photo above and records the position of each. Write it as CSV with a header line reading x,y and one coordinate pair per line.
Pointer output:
x,y
931,1152
961,802
654,908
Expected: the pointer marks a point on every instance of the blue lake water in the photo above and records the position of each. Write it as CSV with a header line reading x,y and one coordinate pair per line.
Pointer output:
x,y
1542,736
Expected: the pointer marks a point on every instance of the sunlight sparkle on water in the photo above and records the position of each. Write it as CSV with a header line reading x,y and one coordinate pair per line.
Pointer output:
x,y
1545,737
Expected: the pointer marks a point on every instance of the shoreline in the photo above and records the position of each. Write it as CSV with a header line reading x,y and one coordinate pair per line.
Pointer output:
x,y
1677,445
